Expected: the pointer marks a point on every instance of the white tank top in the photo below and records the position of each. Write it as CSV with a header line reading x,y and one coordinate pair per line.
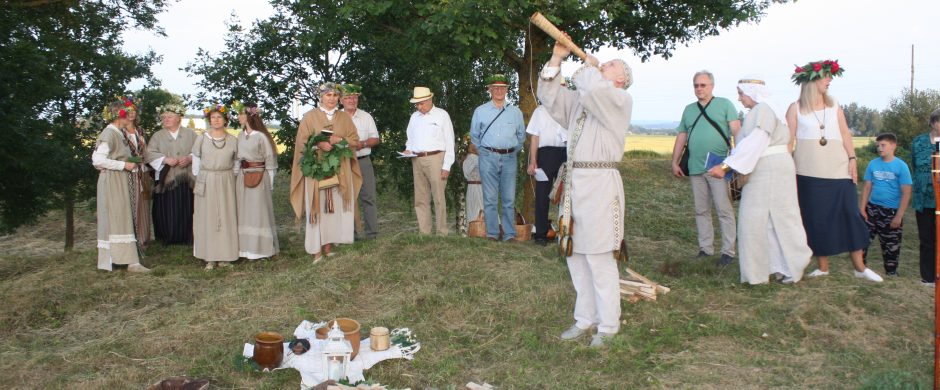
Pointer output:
x,y
807,126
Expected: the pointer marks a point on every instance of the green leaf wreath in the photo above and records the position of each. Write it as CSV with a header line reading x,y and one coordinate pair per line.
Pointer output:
x,y
326,165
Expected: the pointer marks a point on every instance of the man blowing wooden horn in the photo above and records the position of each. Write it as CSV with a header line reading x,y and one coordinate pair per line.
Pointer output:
x,y
597,116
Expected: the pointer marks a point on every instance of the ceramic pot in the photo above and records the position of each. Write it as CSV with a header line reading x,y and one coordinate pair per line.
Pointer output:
x,y
350,328
269,349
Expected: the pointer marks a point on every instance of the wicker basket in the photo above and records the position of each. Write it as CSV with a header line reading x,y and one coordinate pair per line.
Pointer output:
x,y
477,227
523,229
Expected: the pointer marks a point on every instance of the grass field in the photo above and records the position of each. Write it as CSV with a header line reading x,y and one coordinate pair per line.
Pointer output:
x,y
483,311
663,144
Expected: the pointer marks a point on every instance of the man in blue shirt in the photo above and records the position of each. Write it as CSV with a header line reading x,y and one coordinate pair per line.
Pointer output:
x,y
498,131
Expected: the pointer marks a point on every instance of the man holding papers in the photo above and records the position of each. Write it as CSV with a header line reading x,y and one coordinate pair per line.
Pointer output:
x,y
548,151
431,142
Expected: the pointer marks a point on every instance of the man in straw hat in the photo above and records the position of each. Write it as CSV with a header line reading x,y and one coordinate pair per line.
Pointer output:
x,y
498,130
431,143
597,116
173,190
368,139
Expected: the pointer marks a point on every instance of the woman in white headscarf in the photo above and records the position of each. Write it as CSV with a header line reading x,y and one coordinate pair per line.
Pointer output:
x,y
771,239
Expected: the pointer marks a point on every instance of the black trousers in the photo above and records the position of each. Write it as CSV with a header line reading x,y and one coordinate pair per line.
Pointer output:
x,y
926,231
549,160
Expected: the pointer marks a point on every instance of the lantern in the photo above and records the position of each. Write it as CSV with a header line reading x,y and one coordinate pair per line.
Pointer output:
x,y
337,353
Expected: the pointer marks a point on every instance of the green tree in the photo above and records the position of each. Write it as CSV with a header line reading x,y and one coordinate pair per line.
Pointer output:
x,y
62,61
907,115
390,46
862,120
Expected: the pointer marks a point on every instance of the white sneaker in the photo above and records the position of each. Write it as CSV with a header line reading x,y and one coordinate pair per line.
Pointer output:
x,y
928,284
573,332
137,268
210,265
818,273
601,338
868,274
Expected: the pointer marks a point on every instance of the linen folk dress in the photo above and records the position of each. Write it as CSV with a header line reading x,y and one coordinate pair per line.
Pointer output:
x,y
257,229
173,190
827,195
771,238
117,242
471,172
215,225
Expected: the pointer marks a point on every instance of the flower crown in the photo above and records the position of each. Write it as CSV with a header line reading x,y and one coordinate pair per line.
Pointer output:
x,y
816,70
239,107
497,79
127,106
349,89
174,108
218,107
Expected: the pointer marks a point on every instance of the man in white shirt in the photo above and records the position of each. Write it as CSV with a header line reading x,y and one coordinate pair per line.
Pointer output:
x,y
548,152
431,141
368,139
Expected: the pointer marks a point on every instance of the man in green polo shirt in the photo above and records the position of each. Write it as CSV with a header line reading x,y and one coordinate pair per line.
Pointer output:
x,y
700,126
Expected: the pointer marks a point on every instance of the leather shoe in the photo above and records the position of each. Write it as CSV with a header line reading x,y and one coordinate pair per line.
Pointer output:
x,y
601,338
573,332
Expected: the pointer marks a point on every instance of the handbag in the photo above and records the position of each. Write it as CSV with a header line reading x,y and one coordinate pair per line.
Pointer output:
x,y
329,182
558,186
684,157
477,227
252,179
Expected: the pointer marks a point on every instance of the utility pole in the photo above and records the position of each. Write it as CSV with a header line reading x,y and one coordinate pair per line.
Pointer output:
x,y
912,68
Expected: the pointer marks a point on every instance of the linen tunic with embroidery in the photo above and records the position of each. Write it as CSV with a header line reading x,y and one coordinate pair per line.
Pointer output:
x,y
597,199
257,228
117,243
215,224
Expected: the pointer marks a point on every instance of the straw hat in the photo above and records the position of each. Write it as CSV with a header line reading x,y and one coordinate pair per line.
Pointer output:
x,y
421,94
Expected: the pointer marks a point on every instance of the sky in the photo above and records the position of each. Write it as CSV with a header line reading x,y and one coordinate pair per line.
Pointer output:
x,y
872,41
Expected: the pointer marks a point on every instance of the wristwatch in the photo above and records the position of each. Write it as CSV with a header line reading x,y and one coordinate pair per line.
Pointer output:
x,y
725,167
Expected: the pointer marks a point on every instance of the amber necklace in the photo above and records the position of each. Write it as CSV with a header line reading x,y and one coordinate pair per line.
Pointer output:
x,y
822,127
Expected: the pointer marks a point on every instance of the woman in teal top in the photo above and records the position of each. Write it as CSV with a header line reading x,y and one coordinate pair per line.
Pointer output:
x,y
924,205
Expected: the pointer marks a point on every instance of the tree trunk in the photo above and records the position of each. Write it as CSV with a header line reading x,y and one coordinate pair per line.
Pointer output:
x,y
527,68
69,220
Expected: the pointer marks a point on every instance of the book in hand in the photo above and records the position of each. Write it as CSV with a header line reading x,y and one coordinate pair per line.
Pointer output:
x,y
715,159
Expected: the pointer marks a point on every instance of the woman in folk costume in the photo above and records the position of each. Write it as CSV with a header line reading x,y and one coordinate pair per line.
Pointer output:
x,y
215,225
117,190
471,172
141,176
257,160
326,204
771,239
173,189
826,171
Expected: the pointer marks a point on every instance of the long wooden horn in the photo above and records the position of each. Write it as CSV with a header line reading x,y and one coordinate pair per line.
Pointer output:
x,y
539,21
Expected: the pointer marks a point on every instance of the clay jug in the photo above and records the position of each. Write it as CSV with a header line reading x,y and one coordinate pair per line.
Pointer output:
x,y
269,349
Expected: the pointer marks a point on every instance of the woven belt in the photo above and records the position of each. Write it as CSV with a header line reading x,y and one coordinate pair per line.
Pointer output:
x,y
500,151
776,149
596,164
425,154
252,164
474,182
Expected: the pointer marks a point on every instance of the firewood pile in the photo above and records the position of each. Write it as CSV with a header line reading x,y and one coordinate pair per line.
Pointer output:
x,y
635,287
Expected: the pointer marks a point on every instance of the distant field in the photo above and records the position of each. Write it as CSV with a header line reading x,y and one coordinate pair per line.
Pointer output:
x,y
663,144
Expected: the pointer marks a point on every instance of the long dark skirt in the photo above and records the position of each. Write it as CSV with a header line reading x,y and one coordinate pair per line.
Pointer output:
x,y
831,216
173,215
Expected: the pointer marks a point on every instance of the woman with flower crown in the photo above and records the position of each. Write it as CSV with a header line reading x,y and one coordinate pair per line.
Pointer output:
x,y
771,239
215,224
826,171
142,180
117,241
326,203
257,161
173,190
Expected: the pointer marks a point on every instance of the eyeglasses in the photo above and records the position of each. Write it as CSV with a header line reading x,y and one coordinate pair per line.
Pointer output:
x,y
700,85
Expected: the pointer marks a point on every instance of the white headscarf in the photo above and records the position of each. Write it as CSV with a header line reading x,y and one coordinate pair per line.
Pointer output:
x,y
755,89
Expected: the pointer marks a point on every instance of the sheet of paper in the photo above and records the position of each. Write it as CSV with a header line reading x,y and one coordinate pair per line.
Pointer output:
x,y
402,155
540,175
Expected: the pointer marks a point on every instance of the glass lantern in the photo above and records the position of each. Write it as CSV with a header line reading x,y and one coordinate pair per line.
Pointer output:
x,y
336,354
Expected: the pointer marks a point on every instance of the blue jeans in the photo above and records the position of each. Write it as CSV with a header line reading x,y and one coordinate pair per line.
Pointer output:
x,y
498,174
